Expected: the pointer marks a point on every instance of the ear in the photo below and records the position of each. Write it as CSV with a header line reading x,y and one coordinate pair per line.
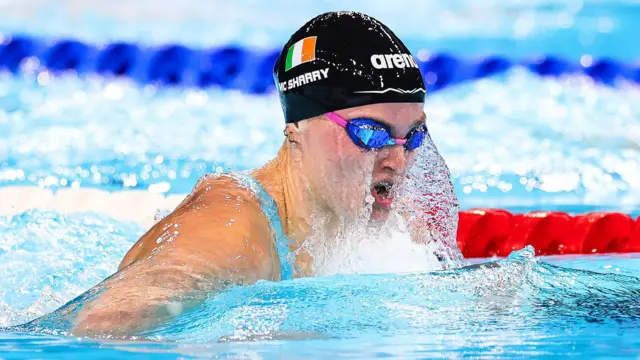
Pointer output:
x,y
293,134
295,141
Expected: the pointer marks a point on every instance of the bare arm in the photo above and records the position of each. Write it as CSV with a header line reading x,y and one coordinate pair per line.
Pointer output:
x,y
137,298
208,242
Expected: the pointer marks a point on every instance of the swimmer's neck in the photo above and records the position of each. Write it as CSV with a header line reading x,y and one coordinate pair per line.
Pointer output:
x,y
284,181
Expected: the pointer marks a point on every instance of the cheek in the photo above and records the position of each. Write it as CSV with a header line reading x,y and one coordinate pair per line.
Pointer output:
x,y
340,167
351,161
333,152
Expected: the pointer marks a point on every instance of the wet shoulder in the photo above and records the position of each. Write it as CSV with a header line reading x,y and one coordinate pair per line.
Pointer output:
x,y
223,201
221,219
224,189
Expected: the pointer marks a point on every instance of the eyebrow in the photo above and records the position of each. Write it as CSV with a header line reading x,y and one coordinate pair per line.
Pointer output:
x,y
422,119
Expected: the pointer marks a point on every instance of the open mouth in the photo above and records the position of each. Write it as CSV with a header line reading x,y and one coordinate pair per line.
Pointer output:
x,y
382,193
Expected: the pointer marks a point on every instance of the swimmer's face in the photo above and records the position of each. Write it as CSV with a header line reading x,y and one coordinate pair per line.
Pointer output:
x,y
348,179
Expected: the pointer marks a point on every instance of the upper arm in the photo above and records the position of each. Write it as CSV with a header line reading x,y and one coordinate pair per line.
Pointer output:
x,y
218,235
219,231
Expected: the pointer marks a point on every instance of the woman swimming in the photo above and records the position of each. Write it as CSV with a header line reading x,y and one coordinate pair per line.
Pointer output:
x,y
353,98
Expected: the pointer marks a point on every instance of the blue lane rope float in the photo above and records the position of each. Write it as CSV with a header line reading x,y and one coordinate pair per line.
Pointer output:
x,y
250,71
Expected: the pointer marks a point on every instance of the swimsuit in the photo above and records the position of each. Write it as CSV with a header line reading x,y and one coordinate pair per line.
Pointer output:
x,y
270,209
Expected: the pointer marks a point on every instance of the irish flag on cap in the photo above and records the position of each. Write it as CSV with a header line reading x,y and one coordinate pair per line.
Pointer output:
x,y
301,52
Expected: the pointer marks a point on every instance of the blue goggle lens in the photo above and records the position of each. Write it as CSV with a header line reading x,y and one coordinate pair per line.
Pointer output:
x,y
416,138
370,134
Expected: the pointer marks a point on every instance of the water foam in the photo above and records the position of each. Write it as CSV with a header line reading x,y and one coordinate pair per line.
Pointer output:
x,y
367,251
519,293
48,258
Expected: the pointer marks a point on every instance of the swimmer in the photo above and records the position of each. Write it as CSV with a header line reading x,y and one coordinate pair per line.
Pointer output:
x,y
353,100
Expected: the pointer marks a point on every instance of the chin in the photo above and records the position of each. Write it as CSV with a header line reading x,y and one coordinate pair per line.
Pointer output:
x,y
347,213
379,215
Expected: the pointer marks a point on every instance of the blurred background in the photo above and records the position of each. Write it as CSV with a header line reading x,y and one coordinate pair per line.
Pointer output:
x,y
511,137
517,28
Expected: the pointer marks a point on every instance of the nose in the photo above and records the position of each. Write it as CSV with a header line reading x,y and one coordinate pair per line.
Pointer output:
x,y
393,159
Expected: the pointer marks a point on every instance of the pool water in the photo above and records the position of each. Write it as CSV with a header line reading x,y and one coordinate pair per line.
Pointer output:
x,y
515,141
554,148
525,307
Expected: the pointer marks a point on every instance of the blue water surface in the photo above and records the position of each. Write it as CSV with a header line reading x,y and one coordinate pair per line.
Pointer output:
x,y
526,306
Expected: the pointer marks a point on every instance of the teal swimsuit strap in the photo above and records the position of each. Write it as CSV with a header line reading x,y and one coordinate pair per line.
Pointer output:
x,y
270,209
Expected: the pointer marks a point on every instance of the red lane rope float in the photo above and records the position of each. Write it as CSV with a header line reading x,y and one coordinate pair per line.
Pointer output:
x,y
496,232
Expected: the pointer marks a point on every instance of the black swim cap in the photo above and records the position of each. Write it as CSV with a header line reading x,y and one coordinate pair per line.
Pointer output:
x,y
339,60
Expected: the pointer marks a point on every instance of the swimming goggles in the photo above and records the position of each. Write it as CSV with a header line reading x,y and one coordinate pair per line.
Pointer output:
x,y
370,134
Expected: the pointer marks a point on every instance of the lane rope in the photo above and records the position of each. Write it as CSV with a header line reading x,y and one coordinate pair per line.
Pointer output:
x,y
250,70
